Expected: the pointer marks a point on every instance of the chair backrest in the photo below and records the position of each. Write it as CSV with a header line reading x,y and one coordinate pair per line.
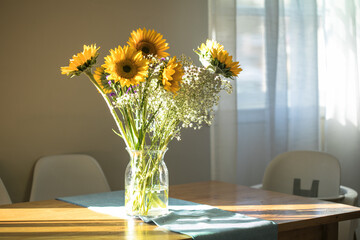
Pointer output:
x,y
304,173
4,196
67,175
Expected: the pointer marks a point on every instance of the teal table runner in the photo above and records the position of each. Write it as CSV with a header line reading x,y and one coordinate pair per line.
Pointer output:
x,y
196,220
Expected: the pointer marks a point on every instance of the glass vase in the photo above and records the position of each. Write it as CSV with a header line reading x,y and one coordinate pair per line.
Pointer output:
x,y
146,183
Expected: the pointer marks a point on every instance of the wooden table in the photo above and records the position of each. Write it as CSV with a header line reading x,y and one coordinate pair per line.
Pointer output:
x,y
297,217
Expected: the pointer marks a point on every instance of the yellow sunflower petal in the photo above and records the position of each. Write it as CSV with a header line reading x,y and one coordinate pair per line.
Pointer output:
x,y
214,54
126,65
172,75
81,61
149,42
100,78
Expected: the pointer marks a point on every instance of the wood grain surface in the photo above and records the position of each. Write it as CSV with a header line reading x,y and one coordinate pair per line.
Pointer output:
x,y
296,216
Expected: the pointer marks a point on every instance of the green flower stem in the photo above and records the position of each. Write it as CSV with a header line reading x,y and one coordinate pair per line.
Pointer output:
x,y
127,128
145,166
132,122
130,130
111,108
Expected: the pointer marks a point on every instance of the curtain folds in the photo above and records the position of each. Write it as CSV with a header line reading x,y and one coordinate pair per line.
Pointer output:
x,y
222,26
339,86
276,103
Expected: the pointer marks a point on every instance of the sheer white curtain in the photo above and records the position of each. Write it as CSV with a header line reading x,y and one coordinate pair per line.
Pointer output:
x,y
276,108
222,27
339,57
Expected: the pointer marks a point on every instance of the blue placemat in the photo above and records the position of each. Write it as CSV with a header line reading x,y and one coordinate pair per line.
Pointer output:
x,y
196,220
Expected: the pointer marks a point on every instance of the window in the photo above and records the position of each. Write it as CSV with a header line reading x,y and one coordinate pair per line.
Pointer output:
x,y
250,52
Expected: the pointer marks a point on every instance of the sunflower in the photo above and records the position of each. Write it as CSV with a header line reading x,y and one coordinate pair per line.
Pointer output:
x,y
213,53
81,61
100,77
224,62
126,65
210,44
149,42
172,75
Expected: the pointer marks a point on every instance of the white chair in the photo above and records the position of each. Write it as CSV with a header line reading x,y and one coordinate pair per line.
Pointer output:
x,y
67,175
4,195
311,174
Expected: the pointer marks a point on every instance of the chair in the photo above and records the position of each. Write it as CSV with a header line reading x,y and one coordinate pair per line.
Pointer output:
x,y
67,175
311,174
4,196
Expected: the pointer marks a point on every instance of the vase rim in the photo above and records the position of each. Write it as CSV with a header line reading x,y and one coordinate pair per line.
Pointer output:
x,y
147,148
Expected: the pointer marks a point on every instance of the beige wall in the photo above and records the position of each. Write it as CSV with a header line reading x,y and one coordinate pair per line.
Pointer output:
x,y
44,112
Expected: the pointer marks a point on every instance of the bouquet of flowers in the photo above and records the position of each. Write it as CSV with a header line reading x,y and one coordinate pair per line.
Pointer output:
x,y
151,97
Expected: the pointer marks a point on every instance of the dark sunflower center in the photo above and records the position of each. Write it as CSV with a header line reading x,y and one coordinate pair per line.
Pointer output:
x,y
146,47
127,68
145,50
